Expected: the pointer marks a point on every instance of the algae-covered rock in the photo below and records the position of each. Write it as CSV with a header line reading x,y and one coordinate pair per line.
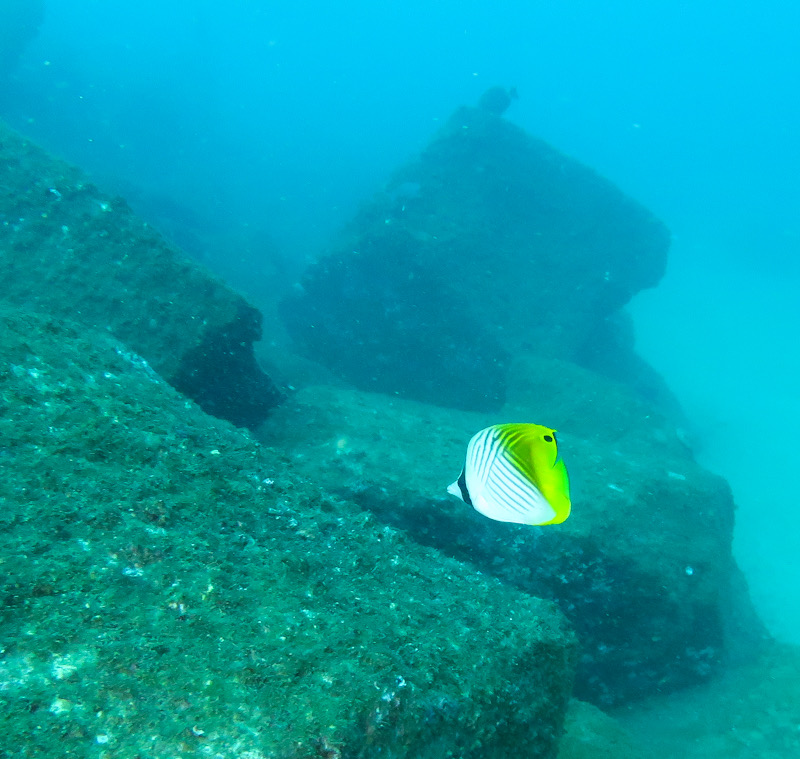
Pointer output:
x,y
169,587
490,244
68,250
642,567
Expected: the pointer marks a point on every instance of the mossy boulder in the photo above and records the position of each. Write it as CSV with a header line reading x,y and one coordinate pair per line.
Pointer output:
x,y
169,586
69,250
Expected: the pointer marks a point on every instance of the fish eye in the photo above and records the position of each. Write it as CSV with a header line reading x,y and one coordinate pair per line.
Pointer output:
x,y
548,438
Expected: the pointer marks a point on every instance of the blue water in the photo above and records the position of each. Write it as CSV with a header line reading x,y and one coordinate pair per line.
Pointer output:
x,y
267,121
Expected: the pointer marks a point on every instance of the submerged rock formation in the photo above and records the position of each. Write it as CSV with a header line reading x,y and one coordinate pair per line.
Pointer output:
x,y
643,566
490,245
382,319
68,250
172,587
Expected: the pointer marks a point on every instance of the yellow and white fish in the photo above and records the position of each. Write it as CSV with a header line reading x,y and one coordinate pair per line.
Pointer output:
x,y
513,474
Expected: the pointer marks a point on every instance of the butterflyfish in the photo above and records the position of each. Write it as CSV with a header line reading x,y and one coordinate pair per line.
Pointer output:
x,y
513,473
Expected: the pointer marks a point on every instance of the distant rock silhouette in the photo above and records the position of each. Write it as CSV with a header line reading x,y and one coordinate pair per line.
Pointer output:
x,y
504,247
496,100
19,24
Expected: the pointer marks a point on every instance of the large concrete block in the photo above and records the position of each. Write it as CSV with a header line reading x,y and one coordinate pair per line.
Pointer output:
x,y
171,587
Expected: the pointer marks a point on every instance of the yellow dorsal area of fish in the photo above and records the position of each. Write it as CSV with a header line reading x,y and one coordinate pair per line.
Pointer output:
x,y
533,450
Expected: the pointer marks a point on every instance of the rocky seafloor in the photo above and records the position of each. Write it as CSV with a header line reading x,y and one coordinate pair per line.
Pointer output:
x,y
174,585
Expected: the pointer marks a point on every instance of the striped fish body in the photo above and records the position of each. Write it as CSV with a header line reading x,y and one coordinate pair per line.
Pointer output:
x,y
513,474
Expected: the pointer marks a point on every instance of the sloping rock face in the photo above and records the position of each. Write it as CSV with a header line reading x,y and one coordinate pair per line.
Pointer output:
x,y
491,244
67,249
643,566
170,587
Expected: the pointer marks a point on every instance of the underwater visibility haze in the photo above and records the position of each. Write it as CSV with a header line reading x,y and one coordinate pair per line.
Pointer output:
x,y
273,272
